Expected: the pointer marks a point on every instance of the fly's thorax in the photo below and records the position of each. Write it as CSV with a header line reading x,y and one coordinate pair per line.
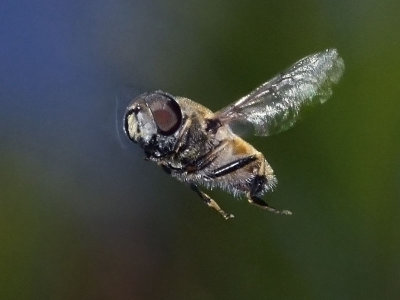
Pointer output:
x,y
193,109
196,141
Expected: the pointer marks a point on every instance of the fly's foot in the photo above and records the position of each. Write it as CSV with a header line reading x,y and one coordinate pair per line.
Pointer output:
x,y
227,216
286,212
264,205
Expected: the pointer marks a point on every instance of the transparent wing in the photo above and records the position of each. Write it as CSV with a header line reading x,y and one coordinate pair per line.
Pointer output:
x,y
275,105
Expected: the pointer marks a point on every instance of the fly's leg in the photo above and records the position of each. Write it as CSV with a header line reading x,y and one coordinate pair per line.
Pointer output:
x,y
207,159
264,205
210,202
257,187
181,140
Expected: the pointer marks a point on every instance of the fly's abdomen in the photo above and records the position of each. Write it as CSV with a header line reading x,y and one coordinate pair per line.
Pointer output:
x,y
236,167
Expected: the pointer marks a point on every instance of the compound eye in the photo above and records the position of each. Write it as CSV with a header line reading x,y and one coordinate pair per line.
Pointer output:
x,y
166,113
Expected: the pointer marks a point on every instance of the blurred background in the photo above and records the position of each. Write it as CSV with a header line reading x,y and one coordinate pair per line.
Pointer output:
x,y
83,216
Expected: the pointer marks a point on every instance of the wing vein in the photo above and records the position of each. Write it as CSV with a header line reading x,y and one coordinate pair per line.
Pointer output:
x,y
276,105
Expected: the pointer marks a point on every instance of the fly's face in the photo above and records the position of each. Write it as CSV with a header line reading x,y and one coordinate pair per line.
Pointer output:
x,y
153,120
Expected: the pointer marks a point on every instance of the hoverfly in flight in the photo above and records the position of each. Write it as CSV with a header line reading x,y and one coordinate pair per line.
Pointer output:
x,y
198,146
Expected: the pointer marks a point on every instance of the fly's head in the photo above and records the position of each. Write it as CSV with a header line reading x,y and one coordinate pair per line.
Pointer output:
x,y
153,121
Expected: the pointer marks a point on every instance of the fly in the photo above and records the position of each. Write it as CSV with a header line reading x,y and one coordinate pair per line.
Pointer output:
x,y
199,147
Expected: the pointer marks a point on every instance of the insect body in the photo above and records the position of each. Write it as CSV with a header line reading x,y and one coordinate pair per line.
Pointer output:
x,y
198,147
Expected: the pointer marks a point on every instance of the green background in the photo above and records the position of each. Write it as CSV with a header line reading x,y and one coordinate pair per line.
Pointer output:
x,y
82,216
